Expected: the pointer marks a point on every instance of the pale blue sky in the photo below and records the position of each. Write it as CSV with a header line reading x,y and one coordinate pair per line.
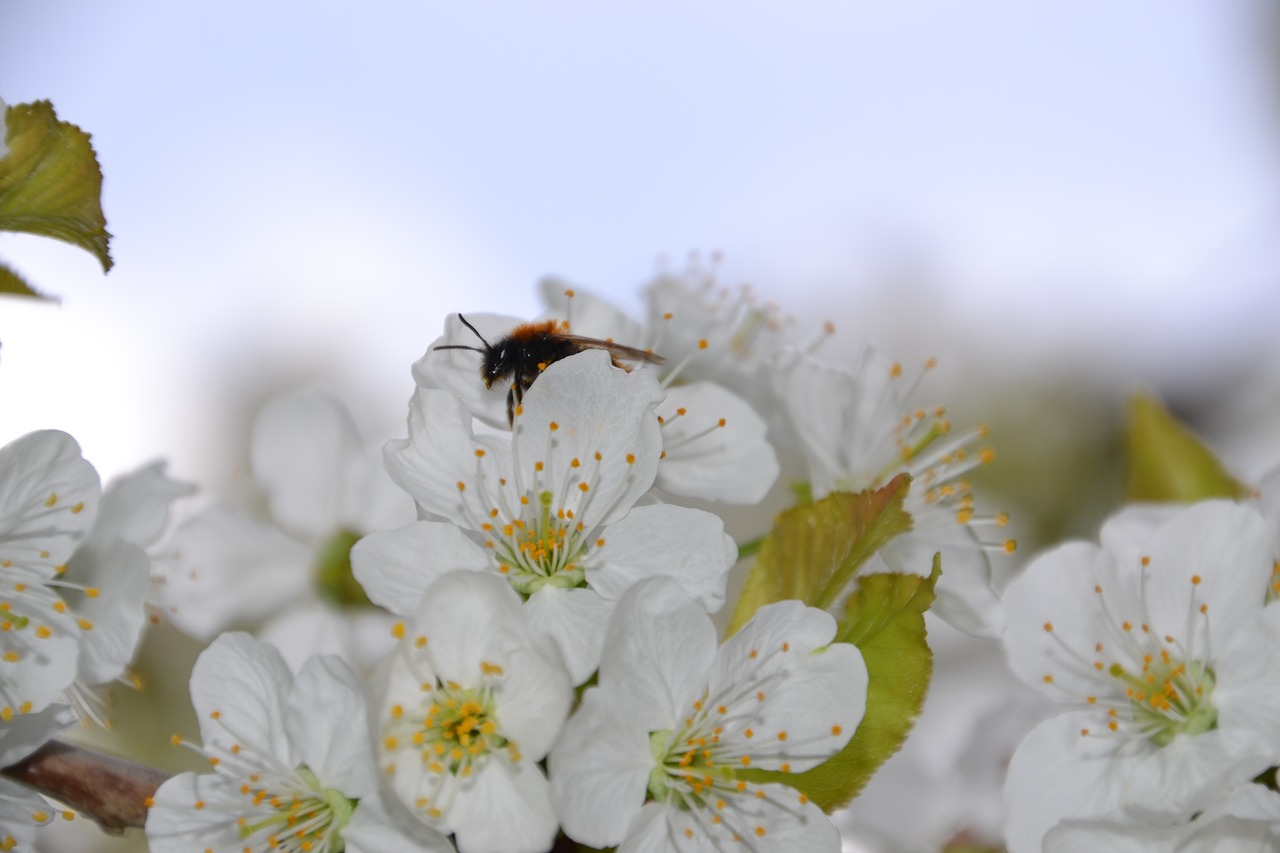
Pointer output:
x,y
310,187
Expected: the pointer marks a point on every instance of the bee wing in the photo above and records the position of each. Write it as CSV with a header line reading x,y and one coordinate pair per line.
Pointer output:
x,y
616,350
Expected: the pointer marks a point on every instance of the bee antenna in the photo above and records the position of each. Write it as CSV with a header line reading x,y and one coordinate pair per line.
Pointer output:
x,y
461,346
474,332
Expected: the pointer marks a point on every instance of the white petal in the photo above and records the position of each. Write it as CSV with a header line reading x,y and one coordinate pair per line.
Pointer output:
x,y
361,637
239,685
135,507
583,408
395,567
469,619
48,500
1127,532
224,566
441,452
687,545
175,825
379,826
650,833
1248,802
536,695
1247,694
26,733
1077,836
658,652
520,795
576,620
328,725
600,770
1228,547
120,572
1050,759
733,462
19,805
307,455
1058,590
845,418
44,666
1188,774
813,700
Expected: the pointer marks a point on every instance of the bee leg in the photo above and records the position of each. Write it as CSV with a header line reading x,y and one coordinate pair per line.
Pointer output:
x,y
515,396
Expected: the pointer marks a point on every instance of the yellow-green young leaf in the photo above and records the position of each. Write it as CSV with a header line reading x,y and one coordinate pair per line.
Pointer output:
x,y
813,551
15,285
884,618
50,183
1167,463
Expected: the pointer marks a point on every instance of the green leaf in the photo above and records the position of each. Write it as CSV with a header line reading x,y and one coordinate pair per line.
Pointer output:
x,y
50,182
15,285
884,618
813,551
1168,463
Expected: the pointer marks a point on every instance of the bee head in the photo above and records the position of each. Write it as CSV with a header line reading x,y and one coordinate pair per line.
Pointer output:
x,y
494,366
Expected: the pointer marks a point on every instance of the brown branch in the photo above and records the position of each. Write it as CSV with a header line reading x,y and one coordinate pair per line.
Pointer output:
x,y
113,792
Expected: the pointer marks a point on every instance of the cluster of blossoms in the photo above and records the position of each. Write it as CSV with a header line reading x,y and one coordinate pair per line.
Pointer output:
x,y
74,576
500,633
551,664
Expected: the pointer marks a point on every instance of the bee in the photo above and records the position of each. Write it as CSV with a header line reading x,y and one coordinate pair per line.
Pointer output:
x,y
524,352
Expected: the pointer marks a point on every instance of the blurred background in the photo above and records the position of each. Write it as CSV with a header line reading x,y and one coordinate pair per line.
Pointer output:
x,y
1063,201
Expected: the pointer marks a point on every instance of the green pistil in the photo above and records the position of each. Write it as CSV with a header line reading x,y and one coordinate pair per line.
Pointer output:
x,y
463,719
338,807
1168,701
658,742
333,578
690,765
544,554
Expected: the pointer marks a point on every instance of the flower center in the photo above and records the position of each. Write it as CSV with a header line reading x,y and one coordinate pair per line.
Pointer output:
x,y
333,578
686,766
1169,697
308,818
459,730
542,547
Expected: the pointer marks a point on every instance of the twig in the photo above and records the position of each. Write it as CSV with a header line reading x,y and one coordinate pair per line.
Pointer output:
x,y
113,792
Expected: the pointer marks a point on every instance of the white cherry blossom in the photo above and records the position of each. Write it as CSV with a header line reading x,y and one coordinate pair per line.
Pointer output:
x,y
1164,660
552,507
49,500
649,762
858,429
289,572
293,763
472,702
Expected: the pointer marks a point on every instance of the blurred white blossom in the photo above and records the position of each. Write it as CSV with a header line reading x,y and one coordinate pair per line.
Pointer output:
x,y
289,572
